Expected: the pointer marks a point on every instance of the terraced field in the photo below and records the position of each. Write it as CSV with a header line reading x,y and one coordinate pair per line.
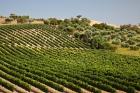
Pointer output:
x,y
40,59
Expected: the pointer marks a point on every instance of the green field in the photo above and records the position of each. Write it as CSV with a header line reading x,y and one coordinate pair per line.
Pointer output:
x,y
39,56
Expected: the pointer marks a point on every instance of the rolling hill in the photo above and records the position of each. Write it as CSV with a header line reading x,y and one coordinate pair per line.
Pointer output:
x,y
38,58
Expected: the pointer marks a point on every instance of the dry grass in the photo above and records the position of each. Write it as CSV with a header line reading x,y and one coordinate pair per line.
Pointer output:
x,y
98,22
127,51
37,22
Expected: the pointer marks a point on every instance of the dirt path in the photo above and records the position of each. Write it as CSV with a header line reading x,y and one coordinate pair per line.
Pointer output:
x,y
4,90
21,90
17,88
51,90
119,91
85,91
102,91
36,90
137,91
67,90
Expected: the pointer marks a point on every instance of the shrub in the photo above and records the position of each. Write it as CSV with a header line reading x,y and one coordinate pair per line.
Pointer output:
x,y
105,33
123,38
95,33
134,48
107,38
8,20
70,29
138,45
113,48
116,41
97,42
108,46
138,31
130,42
46,22
76,34
130,35
137,39
113,36
103,26
125,45
131,90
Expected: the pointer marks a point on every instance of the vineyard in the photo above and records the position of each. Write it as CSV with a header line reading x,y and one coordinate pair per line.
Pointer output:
x,y
42,59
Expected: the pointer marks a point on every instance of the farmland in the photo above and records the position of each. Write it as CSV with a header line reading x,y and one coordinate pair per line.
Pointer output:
x,y
40,58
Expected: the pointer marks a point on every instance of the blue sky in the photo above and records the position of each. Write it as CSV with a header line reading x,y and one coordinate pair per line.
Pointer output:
x,y
109,11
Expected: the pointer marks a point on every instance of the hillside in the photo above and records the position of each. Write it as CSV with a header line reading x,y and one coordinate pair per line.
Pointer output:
x,y
37,36
37,58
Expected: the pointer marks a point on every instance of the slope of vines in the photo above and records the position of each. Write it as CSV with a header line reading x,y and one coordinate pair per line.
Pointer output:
x,y
40,56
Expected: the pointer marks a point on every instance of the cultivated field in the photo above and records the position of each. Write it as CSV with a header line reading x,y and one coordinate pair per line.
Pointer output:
x,y
43,59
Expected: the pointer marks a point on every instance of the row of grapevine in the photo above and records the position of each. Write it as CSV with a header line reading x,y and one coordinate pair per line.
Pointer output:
x,y
35,36
85,79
